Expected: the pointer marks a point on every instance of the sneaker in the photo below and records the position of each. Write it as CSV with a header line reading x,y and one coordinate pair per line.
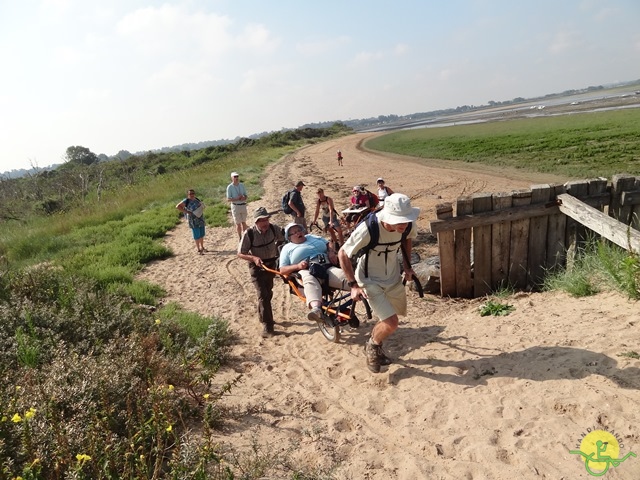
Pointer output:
x,y
315,314
373,359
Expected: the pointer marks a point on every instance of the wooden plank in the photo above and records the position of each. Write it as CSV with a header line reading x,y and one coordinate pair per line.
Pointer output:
x,y
489,218
620,184
556,250
631,197
519,243
446,248
500,242
608,227
481,248
464,282
538,226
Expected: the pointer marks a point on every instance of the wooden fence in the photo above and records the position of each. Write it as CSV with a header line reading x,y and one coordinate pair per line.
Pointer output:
x,y
501,239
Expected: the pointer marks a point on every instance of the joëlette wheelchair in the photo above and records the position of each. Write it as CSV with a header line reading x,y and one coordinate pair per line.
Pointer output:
x,y
338,309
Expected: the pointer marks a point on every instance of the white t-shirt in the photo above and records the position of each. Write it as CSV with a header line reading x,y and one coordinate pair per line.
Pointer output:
x,y
384,267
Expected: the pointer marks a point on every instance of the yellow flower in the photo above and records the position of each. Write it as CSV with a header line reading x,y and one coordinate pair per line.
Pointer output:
x,y
142,457
169,428
206,396
82,457
18,478
170,387
18,387
157,321
16,418
29,413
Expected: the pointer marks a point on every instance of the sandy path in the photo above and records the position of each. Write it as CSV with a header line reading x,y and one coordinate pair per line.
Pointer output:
x,y
469,397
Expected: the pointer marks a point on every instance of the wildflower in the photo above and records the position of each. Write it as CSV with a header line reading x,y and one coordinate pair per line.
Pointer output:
x,y
206,396
82,457
18,387
142,457
170,387
169,428
29,413
16,418
158,321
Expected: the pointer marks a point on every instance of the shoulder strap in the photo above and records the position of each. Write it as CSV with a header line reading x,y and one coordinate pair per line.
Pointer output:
x,y
373,226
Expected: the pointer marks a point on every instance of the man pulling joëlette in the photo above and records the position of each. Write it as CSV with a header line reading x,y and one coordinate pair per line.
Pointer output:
x,y
383,285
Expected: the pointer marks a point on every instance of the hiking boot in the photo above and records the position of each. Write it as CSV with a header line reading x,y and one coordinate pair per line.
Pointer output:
x,y
315,314
382,357
267,331
373,359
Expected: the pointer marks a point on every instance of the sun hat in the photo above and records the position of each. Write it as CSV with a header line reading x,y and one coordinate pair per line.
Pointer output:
x,y
289,227
260,212
300,182
397,209
380,180
234,174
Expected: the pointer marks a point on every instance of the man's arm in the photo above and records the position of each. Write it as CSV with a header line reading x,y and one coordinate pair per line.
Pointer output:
x,y
293,206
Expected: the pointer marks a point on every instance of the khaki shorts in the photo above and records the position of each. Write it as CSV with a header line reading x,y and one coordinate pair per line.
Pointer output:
x,y
239,213
386,302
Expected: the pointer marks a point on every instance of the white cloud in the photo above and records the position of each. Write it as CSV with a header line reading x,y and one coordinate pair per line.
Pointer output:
x,y
401,49
322,46
563,41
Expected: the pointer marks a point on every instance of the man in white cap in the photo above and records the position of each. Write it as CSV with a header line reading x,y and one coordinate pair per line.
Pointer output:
x,y
259,246
377,276
237,196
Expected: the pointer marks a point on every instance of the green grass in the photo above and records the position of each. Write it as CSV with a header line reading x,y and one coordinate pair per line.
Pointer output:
x,y
582,145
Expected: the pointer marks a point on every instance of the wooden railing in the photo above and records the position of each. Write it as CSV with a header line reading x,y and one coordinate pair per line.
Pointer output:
x,y
512,239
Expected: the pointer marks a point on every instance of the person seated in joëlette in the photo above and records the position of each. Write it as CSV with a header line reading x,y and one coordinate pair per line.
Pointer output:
x,y
299,255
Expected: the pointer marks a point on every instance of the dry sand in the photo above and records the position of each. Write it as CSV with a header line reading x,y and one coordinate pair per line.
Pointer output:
x,y
469,397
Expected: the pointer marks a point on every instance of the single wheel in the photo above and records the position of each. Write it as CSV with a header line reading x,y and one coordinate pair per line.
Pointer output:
x,y
331,333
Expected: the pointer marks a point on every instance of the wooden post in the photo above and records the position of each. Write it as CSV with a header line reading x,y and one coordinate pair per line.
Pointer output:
x,y
540,194
575,232
500,242
556,250
481,248
446,247
464,283
519,243
620,183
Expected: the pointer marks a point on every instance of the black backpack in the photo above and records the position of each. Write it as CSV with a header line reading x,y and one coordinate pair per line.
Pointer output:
x,y
286,208
373,226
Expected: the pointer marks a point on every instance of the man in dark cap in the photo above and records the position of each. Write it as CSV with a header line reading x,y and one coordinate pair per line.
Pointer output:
x,y
297,205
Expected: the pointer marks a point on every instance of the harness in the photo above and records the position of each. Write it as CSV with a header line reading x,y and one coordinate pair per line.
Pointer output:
x,y
373,226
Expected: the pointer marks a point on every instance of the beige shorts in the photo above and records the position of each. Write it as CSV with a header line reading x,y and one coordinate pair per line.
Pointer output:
x,y
239,213
386,302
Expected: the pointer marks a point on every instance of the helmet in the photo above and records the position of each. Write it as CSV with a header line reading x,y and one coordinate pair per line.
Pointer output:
x,y
289,227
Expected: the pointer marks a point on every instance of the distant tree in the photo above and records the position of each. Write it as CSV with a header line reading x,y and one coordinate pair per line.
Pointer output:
x,y
123,155
80,156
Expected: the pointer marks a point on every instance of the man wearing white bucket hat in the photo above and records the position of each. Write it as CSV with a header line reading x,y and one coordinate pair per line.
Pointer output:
x,y
377,275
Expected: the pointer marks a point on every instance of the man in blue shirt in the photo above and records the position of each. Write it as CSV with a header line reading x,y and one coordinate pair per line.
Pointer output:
x,y
298,254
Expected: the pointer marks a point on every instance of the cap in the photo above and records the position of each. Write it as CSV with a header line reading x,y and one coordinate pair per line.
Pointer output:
x,y
289,227
380,180
398,209
300,182
260,212
234,174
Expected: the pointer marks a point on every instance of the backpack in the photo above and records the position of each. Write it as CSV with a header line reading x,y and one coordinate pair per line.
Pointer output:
x,y
286,208
371,220
374,201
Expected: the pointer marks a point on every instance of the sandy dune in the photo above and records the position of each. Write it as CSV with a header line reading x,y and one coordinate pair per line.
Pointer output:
x,y
470,397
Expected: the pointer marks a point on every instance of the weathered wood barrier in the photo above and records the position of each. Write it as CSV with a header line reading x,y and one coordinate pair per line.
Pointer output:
x,y
501,239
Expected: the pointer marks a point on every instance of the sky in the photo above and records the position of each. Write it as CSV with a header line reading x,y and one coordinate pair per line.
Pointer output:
x,y
138,75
